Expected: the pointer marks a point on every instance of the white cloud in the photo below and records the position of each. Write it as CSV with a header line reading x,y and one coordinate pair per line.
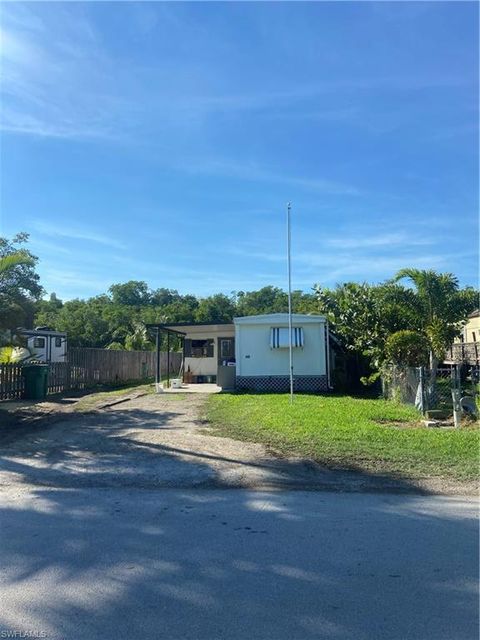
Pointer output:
x,y
364,239
59,79
257,173
56,230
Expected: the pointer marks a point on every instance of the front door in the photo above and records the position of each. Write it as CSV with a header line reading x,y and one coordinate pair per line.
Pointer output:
x,y
226,351
226,363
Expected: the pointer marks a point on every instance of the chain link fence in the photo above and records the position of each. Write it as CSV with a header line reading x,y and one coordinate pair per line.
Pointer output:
x,y
431,390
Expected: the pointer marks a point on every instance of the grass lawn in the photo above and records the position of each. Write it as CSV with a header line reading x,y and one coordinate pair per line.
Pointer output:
x,y
347,432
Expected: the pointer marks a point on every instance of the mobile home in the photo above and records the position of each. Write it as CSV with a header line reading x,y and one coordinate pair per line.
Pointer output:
x,y
262,353
252,353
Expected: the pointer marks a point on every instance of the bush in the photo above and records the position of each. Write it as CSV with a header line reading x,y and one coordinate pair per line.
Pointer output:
x,y
407,348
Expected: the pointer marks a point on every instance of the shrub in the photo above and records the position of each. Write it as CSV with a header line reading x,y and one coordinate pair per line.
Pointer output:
x,y
407,348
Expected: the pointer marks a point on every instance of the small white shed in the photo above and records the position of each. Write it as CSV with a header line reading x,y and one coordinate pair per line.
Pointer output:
x,y
262,353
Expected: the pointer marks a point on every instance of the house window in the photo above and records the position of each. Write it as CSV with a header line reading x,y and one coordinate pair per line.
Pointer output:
x,y
279,337
58,342
199,348
39,343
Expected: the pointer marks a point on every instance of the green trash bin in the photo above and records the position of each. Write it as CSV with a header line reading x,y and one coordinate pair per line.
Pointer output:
x,y
36,381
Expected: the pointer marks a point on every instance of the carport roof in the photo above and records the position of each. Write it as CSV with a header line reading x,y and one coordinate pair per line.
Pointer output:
x,y
175,327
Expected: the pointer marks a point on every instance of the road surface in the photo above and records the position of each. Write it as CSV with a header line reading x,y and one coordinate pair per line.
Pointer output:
x,y
232,564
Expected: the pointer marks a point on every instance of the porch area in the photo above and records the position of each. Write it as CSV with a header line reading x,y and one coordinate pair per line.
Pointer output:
x,y
195,388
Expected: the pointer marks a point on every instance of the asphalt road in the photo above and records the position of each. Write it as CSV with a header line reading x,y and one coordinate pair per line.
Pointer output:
x,y
129,563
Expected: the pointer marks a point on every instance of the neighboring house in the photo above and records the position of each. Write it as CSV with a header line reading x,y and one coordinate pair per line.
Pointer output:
x,y
471,330
252,353
466,349
47,345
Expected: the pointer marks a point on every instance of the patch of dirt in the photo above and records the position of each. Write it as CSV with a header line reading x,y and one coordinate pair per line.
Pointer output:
x,y
399,424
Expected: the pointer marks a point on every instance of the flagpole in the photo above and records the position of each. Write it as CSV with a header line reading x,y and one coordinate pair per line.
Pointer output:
x,y
290,352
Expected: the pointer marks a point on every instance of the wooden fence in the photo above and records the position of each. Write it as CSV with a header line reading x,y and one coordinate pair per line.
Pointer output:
x,y
87,368
11,381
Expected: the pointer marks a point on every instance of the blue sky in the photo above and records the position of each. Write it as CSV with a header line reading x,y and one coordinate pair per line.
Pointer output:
x,y
161,141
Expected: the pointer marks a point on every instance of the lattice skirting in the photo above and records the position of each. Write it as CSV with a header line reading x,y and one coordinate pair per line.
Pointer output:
x,y
281,384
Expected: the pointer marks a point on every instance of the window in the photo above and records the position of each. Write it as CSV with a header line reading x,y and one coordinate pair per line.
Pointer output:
x,y
279,337
39,343
199,348
58,342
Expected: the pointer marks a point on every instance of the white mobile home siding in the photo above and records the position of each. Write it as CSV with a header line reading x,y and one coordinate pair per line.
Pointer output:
x,y
261,367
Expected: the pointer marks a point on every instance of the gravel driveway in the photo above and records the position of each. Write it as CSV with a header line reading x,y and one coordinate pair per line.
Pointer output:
x,y
158,441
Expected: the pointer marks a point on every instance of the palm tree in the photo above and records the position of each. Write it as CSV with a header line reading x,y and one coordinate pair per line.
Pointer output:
x,y
442,308
12,260
138,339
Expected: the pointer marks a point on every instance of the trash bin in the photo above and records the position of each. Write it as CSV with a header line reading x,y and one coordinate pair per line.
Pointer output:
x,y
36,381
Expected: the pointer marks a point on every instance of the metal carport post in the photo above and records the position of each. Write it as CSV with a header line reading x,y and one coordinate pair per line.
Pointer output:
x,y
159,328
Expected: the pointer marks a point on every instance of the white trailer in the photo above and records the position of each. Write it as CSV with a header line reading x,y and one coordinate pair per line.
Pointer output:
x,y
47,345
262,353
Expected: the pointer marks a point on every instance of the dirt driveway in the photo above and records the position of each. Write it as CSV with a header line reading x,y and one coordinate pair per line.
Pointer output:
x,y
158,441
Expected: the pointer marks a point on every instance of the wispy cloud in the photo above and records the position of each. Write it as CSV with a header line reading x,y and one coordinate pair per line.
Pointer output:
x,y
255,172
363,239
56,231
60,80
69,283
55,75
365,255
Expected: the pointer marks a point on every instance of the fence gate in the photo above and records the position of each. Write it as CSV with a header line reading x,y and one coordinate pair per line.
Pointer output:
x,y
428,389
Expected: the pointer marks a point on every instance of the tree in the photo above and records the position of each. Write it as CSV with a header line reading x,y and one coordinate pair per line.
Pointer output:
x,y
407,348
352,310
84,323
19,283
266,300
163,297
47,312
273,300
353,314
216,308
138,339
9,262
444,307
132,293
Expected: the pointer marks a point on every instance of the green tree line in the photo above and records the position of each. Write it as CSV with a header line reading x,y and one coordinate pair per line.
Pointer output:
x,y
411,318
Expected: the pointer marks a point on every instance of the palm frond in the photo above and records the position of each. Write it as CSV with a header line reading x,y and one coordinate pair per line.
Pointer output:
x,y
19,258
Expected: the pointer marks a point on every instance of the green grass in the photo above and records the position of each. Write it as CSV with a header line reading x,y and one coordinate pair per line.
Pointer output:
x,y
346,432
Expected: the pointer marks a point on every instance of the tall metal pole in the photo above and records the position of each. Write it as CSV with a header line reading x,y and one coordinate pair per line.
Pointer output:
x,y
168,358
290,351
157,349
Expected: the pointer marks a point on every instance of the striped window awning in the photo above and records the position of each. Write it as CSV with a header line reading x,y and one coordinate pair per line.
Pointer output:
x,y
279,337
